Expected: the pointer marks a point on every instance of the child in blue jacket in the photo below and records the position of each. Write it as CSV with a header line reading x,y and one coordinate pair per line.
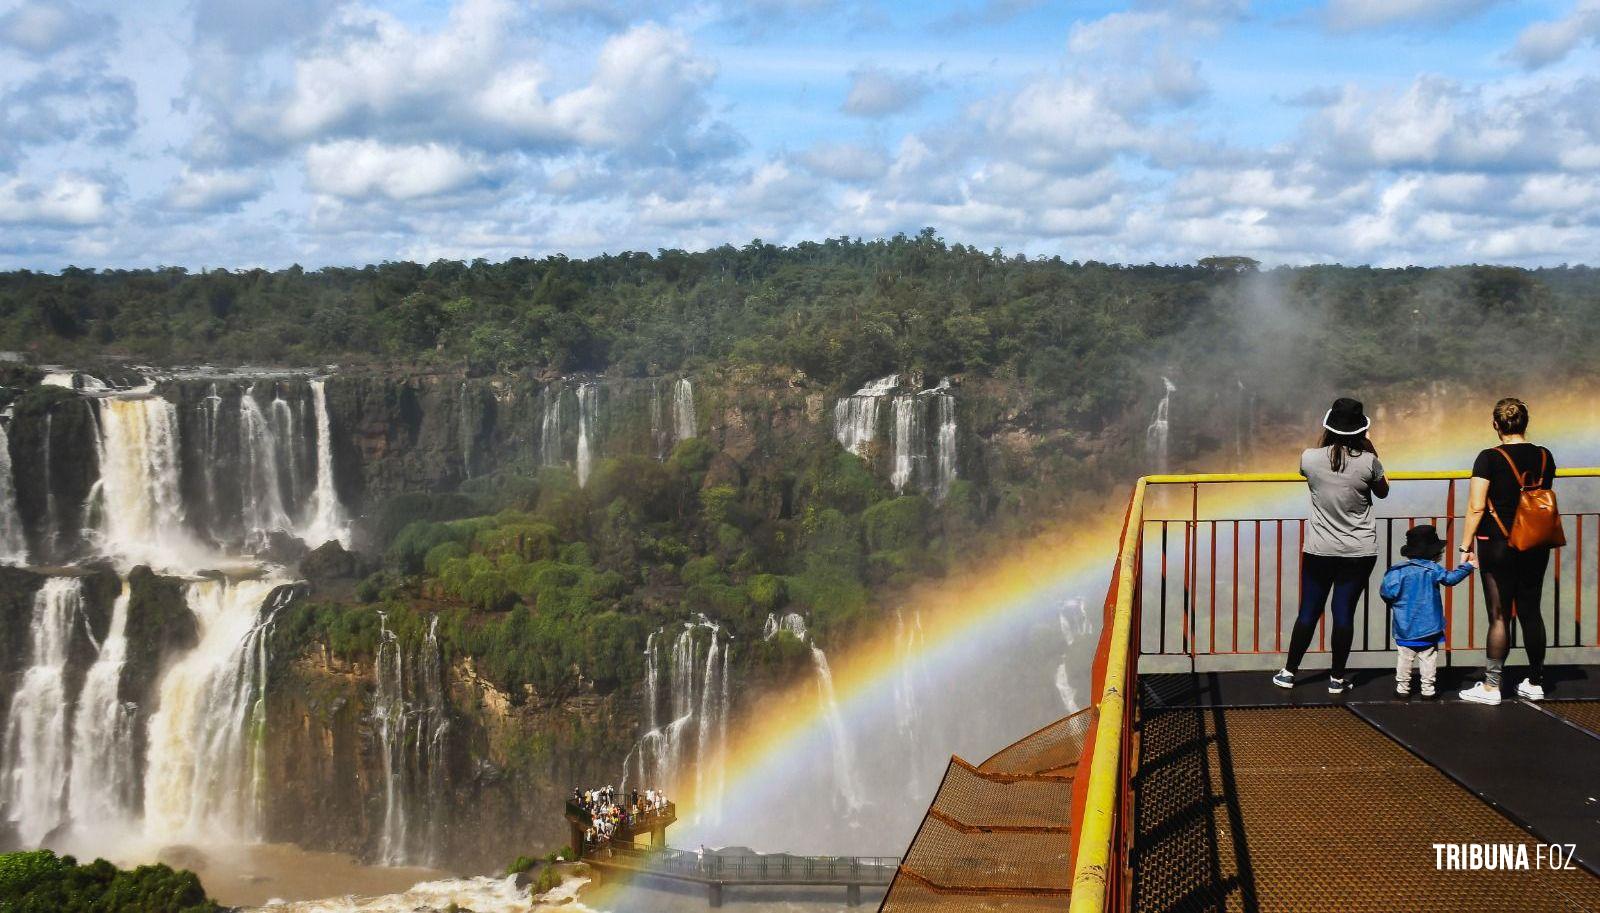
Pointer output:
x,y
1411,589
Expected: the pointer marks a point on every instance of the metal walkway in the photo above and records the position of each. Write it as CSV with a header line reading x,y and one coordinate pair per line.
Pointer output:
x,y
1312,808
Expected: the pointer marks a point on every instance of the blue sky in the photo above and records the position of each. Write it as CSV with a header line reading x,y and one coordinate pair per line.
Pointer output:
x,y
203,133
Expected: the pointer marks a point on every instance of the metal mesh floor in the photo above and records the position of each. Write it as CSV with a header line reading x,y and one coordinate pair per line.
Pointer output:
x,y
997,837
1584,713
1312,809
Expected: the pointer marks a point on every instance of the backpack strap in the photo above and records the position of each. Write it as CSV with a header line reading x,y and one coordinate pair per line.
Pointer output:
x,y
1489,502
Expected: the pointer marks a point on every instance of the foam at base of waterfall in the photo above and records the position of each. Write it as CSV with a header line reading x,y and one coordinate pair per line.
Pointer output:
x,y
483,894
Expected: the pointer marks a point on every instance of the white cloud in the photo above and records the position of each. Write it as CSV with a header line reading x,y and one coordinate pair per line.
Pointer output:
x,y
66,200
214,191
848,162
1548,41
359,169
41,29
1349,15
878,92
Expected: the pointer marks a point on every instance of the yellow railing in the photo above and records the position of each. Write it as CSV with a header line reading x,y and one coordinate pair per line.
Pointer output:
x,y
1095,868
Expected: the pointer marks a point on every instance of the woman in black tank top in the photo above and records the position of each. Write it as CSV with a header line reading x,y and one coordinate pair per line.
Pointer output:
x,y
1513,580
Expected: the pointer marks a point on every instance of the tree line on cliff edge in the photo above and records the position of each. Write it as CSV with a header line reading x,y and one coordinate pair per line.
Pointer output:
x,y
1082,335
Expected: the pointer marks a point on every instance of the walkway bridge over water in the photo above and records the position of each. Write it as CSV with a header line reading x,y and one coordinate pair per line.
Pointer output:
x,y
718,870
1194,784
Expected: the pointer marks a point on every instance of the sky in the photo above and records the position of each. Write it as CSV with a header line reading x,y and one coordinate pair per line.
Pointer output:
x,y
245,133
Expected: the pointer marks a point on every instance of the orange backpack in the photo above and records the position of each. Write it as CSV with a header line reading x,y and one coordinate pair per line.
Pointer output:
x,y
1537,523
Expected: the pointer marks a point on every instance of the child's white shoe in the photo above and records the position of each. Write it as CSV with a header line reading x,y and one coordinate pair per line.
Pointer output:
x,y
1480,694
1428,690
1528,691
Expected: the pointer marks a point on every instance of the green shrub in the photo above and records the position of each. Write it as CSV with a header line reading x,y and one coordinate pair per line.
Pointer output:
x,y
700,570
42,882
439,554
521,864
899,523
768,592
692,455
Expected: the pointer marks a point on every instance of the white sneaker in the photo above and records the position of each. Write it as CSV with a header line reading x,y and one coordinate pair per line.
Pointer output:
x,y
1479,694
1528,691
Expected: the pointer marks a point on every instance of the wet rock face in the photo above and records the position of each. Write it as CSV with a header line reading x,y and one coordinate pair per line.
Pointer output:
x,y
17,590
160,628
55,465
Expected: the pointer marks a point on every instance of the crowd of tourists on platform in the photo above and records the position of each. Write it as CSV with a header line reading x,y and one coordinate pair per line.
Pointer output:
x,y
608,810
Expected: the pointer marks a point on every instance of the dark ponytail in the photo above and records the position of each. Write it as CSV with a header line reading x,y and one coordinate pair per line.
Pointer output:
x,y
1342,446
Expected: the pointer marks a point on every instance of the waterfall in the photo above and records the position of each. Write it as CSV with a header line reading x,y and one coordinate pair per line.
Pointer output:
x,y
1075,624
104,775
13,543
698,700
910,445
658,420
408,712
212,454
141,509
550,426
287,446
35,772
328,520
203,772
587,405
464,431
1155,436
855,418
792,623
844,759
945,463
683,419
908,687
258,450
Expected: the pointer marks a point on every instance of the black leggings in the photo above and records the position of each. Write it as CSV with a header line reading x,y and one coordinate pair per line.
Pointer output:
x,y
1346,579
1514,581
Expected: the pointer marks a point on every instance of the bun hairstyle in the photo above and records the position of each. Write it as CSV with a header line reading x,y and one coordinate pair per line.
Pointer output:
x,y
1511,416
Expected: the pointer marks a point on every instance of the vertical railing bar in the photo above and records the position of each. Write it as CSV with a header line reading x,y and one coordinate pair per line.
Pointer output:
x,y
1213,583
1161,637
1388,561
1255,589
1577,587
1277,560
1236,586
1451,554
1555,640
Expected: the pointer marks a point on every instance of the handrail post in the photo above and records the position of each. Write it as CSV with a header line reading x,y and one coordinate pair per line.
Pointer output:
x,y
1193,633
1450,552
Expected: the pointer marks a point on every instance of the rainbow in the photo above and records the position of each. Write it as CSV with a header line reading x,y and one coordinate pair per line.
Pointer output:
x,y
976,614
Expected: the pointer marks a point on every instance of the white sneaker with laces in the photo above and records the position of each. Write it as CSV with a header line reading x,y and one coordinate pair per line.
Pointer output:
x,y
1479,694
1528,691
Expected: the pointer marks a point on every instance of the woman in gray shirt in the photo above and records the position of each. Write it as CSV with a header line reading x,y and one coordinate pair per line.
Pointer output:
x,y
1341,542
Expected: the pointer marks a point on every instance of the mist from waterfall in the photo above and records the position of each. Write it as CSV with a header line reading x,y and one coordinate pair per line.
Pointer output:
x,y
34,776
845,780
410,719
13,541
202,771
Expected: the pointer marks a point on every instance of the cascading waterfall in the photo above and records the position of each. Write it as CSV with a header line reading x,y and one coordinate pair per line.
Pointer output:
x,y
844,760
660,435
36,756
698,700
212,449
587,414
202,775
793,624
1075,625
910,444
1155,436
286,440
263,498
550,426
409,713
328,520
104,775
945,462
683,418
464,430
141,510
855,418
13,543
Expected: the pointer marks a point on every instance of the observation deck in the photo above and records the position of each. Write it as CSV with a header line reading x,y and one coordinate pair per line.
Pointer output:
x,y
1193,783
